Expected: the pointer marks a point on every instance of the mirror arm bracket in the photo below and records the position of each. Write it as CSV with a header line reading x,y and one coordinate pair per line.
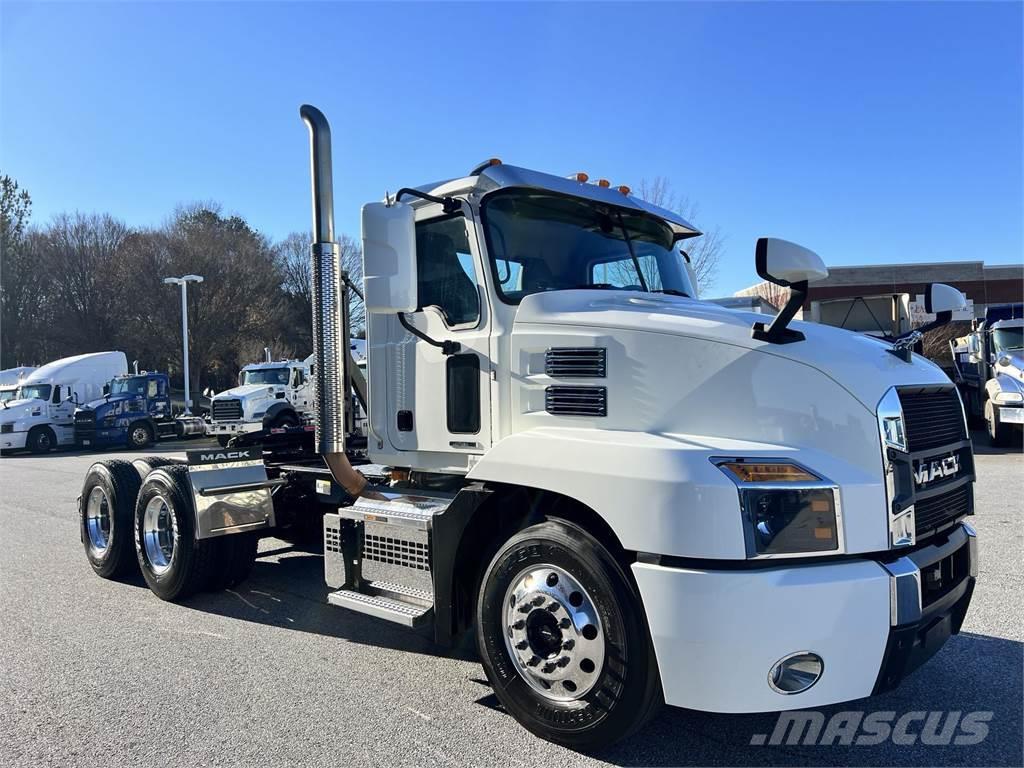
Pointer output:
x,y
777,332
449,204
446,347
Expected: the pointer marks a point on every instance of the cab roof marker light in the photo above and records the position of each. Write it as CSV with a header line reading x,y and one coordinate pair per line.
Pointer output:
x,y
625,190
581,177
604,183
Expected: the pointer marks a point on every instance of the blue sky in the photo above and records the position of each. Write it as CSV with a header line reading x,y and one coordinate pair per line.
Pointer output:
x,y
870,132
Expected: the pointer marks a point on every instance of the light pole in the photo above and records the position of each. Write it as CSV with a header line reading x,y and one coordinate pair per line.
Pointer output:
x,y
183,281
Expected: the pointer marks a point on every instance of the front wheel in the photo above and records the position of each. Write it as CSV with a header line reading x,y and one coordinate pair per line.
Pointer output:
x,y
563,638
999,434
139,435
41,440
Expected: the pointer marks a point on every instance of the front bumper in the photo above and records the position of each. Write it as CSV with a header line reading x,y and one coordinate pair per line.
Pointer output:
x,y
233,427
718,633
12,441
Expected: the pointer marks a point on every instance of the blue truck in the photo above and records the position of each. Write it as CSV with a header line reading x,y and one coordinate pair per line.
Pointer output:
x,y
134,411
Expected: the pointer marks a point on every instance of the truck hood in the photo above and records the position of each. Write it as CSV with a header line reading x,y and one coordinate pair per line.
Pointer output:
x,y
95,405
246,392
13,410
862,365
1013,369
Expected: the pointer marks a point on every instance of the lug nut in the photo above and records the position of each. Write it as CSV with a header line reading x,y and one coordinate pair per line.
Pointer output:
x,y
522,645
533,662
568,645
564,624
525,608
519,624
554,607
563,661
548,669
538,600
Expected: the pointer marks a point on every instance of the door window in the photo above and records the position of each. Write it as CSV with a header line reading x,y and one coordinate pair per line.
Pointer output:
x,y
151,389
56,394
446,277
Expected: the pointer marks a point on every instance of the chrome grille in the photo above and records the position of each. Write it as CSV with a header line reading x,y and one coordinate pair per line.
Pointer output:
x,y
932,419
575,362
226,410
937,511
576,401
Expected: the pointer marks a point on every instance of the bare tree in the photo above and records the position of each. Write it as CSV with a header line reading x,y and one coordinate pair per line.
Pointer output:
x,y
20,279
294,260
705,251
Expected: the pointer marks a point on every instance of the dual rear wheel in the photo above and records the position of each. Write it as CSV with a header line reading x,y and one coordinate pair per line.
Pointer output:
x,y
141,518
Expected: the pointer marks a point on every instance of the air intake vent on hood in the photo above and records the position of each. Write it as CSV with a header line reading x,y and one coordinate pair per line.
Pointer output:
x,y
576,401
575,362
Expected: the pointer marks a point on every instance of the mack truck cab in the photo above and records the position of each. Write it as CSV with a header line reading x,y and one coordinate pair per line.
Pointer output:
x,y
135,411
989,364
270,395
623,495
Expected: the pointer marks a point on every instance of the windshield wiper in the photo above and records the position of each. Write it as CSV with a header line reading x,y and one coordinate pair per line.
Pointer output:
x,y
672,292
632,253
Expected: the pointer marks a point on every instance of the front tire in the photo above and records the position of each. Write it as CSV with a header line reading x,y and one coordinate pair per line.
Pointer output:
x,y
140,435
41,440
999,434
564,640
174,563
107,512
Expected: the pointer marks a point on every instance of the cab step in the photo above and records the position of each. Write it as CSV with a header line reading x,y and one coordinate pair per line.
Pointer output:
x,y
390,609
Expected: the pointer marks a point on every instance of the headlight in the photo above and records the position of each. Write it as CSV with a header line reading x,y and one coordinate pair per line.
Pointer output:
x,y
1010,397
787,509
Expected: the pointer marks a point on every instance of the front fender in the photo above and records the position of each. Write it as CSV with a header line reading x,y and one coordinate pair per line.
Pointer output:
x,y
661,493
1002,383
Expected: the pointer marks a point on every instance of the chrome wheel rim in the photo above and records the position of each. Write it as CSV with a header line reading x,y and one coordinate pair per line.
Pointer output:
x,y
553,633
44,439
99,523
159,534
139,436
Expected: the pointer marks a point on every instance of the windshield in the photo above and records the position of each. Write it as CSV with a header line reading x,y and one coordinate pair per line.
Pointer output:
x,y
34,392
1008,338
539,241
132,386
266,376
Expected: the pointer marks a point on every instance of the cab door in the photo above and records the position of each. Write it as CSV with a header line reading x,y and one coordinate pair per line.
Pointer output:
x,y
440,402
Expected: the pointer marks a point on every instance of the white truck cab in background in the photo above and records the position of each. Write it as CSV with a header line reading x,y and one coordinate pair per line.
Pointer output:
x,y
270,394
10,380
41,416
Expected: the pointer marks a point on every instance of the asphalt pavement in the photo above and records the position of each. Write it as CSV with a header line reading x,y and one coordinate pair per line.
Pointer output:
x,y
96,672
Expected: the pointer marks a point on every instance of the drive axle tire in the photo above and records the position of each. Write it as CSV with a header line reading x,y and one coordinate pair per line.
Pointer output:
x,y
173,562
563,638
235,561
106,515
147,464
41,440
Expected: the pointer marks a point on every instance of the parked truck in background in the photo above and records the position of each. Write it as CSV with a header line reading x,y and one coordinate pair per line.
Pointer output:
x,y
989,370
41,416
133,412
269,395
627,495
10,380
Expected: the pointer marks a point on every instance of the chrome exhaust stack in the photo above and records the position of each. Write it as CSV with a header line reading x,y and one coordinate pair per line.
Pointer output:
x,y
330,312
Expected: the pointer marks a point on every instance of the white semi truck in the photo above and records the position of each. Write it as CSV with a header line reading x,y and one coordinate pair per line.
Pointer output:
x,y
627,496
41,415
10,380
271,394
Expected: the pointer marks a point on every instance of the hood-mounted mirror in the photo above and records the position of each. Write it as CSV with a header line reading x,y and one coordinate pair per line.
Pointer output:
x,y
791,266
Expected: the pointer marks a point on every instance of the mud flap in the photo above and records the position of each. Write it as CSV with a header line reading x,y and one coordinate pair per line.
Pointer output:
x,y
231,490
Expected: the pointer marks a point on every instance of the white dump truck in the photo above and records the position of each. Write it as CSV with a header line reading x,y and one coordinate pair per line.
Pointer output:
x,y
270,395
625,495
42,414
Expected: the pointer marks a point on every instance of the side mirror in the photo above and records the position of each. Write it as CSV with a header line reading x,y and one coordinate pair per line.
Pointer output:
x,y
789,265
389,258
106,389
785,263
940,297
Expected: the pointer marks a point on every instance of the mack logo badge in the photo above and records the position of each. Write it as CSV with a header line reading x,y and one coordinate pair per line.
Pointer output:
x,y
222,456
938,468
